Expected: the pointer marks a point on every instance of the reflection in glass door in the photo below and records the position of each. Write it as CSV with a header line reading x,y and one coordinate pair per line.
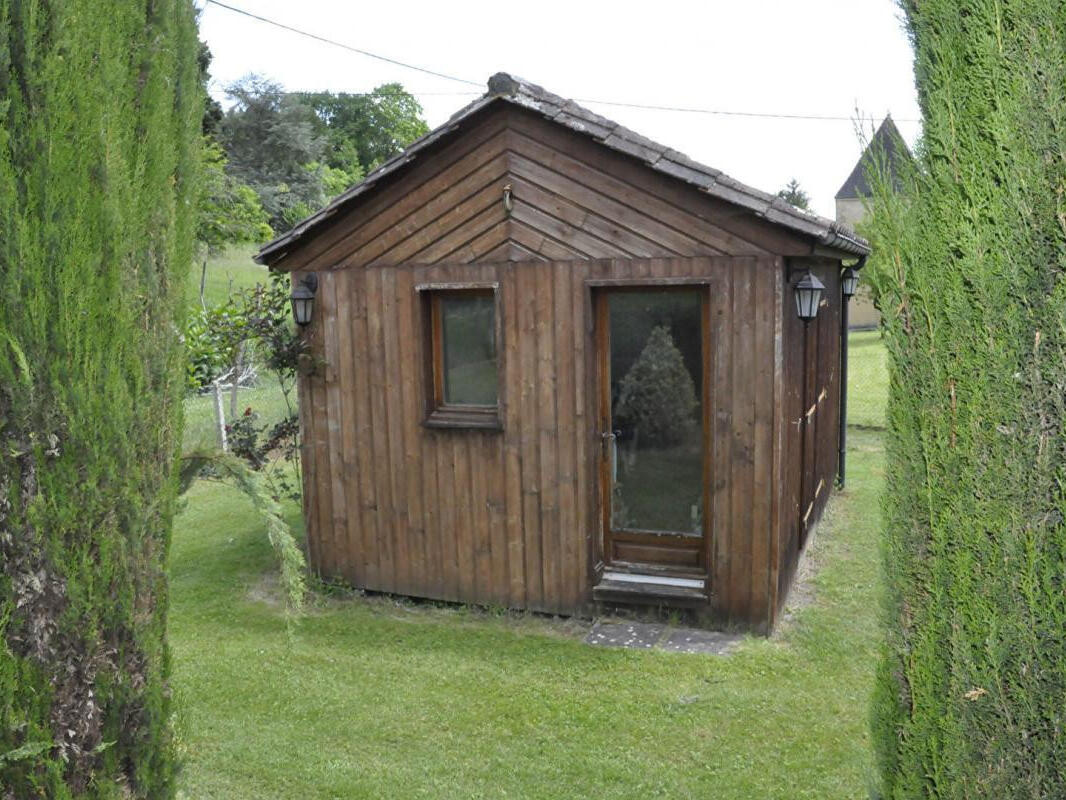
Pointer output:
x,y
653,432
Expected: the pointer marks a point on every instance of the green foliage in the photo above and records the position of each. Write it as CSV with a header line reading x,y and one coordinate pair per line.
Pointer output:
x,y
212,108
969,272
364,130
657,395
100,114
233,469
229,212
253,330
336,180
212,341
794,194
270,138
297,150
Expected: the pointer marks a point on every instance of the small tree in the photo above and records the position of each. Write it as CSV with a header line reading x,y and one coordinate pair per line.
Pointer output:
x,y
270,138
229,211
657,395
231,343
793,194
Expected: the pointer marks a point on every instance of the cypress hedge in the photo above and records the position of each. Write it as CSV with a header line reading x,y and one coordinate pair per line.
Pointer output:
x,y
969,269
100,108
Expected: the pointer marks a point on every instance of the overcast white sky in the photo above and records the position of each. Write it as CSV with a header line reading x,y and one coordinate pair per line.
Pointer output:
x,y
821,57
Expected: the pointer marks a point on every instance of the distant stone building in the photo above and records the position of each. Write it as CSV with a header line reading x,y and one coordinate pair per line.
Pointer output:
x,y
850,208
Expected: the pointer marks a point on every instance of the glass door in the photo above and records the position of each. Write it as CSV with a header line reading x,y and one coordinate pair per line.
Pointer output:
x,y
654,454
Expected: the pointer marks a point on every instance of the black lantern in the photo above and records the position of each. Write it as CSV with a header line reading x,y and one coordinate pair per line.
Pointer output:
x,y
808,294
849,282
303,299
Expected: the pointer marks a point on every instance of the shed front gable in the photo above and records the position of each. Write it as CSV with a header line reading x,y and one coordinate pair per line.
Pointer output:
x,y
569,199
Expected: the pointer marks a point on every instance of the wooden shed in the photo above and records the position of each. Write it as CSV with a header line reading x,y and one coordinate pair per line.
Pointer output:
x,y
558,365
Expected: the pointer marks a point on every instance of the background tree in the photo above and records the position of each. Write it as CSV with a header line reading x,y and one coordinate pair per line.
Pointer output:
x,y
364,130
100,117
272,145
970,260
297,150
212,108
795,195
229,211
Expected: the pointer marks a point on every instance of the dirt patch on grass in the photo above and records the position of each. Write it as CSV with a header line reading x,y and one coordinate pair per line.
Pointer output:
x,y
331,597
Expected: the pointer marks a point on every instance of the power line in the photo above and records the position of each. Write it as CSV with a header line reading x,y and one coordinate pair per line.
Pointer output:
x,y
718,112
615,103
323,39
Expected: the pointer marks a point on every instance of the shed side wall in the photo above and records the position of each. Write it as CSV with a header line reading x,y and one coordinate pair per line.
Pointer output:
x,y
810,412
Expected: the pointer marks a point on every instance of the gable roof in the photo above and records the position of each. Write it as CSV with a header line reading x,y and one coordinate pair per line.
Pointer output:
x,y
888,140
504,88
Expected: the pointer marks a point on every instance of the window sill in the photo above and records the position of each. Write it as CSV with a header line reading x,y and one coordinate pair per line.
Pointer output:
x,y
457,418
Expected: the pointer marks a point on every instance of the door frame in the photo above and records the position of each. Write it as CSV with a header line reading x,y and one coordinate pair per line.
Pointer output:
x,y
701,546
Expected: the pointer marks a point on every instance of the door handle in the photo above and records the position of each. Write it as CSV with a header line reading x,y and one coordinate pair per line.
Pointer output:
x,y
607,438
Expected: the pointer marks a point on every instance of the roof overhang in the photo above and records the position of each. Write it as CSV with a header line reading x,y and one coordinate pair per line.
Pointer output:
x,y
825,234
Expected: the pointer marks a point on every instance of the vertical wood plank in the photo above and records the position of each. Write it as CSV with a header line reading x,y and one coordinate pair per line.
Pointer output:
x,y
570,539
428,455
582,332
451,491
528,437
701,267
480,537
546,429
408,382
722,442
761,530
743,439
496,523
395,432
780,422
464,519
383,464
512,421
338,521
348,477
448,518
361,389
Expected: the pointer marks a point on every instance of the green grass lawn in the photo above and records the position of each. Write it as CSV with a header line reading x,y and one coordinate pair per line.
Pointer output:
x,y
867,379
266,399
380,699
226,272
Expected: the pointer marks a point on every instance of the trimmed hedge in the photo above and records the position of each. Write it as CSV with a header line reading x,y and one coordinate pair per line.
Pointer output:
x,y
100,108
969,265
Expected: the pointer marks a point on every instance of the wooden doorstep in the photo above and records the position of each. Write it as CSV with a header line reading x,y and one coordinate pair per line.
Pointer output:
x,y
649,592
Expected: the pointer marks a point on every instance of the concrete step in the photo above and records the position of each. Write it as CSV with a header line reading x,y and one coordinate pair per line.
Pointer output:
x,y
638,589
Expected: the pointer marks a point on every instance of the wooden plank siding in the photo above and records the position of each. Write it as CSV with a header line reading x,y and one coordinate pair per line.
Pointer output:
x,y
810,414
513,517
572,200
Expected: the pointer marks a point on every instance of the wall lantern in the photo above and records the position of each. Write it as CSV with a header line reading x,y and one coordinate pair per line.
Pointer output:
x,y
808,294
303,299
849,282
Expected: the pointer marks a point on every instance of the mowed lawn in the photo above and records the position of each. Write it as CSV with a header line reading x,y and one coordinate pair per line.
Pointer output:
x,y
227,272
382,698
